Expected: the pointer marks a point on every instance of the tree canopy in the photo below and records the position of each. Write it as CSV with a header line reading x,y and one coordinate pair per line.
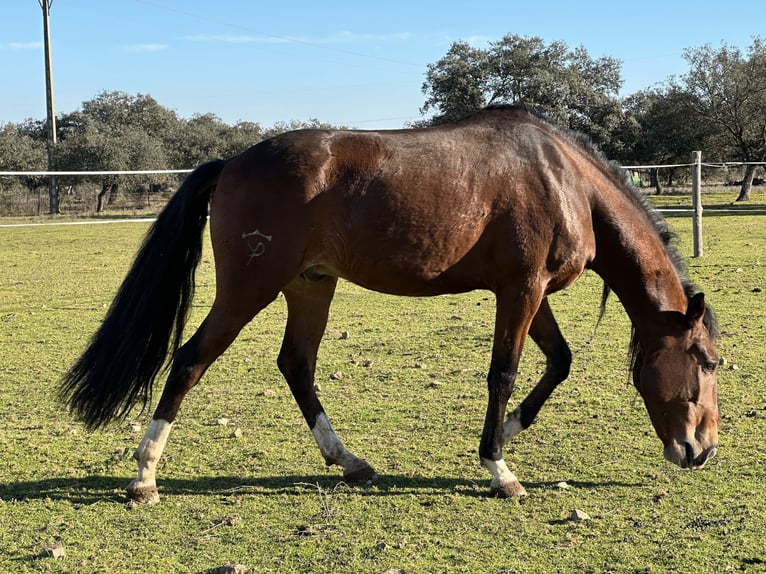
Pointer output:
x,y
728,90
718,106
660,130
116,131
568,86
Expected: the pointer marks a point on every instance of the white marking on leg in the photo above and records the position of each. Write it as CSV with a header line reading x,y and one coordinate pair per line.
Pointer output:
x,y
332,449
504,483
501,474
149,452
512,425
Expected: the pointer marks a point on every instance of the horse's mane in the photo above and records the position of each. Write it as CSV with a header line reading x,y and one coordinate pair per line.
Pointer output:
x,y
667,237
669,240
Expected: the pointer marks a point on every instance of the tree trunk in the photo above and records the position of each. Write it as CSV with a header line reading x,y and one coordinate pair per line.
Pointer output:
x,y
654,180
113,193
747,183
100,197
38,199
671,175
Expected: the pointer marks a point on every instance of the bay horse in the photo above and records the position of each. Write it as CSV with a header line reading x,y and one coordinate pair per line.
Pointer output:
x,y
501,201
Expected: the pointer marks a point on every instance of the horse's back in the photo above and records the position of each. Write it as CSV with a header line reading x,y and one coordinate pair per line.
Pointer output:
x,y
423,211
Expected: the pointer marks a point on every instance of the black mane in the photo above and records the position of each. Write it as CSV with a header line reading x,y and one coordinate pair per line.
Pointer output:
x,y
669,240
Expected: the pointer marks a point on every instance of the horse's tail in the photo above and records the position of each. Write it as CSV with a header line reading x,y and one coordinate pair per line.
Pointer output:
x,y
148,313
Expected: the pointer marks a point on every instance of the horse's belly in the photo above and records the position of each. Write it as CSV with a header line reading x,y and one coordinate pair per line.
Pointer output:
x,y
410,268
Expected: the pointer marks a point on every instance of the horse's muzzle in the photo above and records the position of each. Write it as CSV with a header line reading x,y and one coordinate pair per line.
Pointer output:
x,y
686,455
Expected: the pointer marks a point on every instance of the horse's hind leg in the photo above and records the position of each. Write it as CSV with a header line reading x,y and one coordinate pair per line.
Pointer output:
x,y
545,332
308,304
217,332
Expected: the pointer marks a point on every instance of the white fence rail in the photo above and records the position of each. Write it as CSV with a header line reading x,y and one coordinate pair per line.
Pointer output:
x,y
62,173
695,165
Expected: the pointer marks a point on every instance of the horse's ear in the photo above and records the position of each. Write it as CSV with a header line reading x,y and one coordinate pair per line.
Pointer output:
x,y
696,309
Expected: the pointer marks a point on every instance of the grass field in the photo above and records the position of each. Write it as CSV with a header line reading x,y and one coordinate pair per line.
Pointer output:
x,y
411,401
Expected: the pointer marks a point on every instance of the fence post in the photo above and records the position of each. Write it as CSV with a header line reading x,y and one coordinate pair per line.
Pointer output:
x,y
697,202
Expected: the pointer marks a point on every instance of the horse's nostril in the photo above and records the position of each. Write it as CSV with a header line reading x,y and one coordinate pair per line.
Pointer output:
x,y
689,455
706,456
692,461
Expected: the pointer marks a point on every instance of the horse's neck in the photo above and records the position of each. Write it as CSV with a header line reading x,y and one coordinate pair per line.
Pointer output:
x,y
632,260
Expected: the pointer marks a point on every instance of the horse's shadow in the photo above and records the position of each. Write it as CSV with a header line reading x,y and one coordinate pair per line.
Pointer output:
x,y
97,488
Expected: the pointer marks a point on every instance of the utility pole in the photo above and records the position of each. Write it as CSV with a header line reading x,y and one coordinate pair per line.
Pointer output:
x,y
53,194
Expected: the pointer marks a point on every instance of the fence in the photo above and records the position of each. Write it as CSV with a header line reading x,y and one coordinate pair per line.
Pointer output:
x,y
695,166
696,170
140,201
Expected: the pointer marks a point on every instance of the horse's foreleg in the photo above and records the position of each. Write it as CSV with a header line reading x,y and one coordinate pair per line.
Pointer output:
x,y
545,332
189,364
514,315
308,304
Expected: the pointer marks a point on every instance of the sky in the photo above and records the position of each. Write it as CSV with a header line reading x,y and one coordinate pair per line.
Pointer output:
x,y
359,64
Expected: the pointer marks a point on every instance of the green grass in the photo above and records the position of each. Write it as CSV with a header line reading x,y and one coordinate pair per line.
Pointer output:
x,y
411,401
716,201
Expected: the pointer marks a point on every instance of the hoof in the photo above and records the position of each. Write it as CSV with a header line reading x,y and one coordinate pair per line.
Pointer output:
x,y
512,489
363,474
142,494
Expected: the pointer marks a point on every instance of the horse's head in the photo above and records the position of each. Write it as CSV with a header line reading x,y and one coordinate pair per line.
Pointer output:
x,y
676,376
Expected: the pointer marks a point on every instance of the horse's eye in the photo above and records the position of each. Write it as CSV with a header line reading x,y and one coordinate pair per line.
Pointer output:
x,y
709,366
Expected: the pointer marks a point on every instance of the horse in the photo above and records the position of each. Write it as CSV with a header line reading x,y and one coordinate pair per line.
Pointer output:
x,y
501,201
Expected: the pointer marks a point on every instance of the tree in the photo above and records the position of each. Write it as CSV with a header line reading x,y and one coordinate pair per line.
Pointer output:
x,y
311,124
22,151
729,90
241,136
456,85
91,149
116,132
199,139
568,86
661,130
140,111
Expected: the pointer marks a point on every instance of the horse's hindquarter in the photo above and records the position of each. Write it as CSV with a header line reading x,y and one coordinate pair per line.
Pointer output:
x,y
414,212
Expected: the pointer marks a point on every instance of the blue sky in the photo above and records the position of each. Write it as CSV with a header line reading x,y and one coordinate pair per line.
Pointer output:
x,y
354,63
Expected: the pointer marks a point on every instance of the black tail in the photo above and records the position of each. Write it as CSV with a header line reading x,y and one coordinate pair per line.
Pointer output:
x,y
148,313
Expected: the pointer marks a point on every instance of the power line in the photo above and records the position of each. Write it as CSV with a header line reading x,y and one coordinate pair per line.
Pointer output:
x,y
286,39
